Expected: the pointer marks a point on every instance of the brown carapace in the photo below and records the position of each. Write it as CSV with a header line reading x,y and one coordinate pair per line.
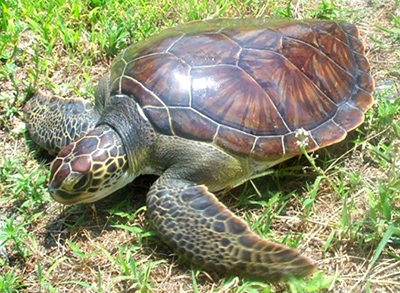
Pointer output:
x,y
249,85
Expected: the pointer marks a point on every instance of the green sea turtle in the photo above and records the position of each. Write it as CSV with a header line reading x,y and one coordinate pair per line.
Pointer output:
x,y
206,106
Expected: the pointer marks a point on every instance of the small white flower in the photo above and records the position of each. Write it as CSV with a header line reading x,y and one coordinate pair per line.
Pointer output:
x,y
302,136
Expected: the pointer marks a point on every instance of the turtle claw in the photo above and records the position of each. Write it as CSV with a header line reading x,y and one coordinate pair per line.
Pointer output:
x,y
195,224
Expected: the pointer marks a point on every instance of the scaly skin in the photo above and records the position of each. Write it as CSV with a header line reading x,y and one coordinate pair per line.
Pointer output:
x,y
54,123
195,224
89,168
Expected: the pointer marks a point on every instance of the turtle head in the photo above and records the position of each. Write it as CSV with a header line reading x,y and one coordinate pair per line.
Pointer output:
x,y
90,168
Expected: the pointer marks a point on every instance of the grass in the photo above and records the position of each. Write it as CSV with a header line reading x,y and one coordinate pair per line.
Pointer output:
x,y
340,206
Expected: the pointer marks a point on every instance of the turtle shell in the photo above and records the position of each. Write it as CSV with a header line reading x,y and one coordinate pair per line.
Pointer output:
x,y
250,86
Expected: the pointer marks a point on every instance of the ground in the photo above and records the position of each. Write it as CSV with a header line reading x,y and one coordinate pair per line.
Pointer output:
x,y
340,206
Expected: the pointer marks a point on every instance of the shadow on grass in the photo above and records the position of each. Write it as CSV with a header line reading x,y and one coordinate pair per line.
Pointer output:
x,y
99,216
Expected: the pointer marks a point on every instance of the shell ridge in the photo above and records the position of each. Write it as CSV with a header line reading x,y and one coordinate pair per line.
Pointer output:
x,y
356,53
149,55
351,106
123,54
242,47
216,133
315,35
267,95
123,73
146,89
179,58
349,35
348,44
198,113
314,141
339,126
323,53
220,30
161,65
239,56
117,80
362,89
251,40
253,146
328,133
219,124
153,94
350,99
153,107
173,43
331,60
214,65
313,83
191,87
233,39
336,38
298,69
357,61
323,125
353,125
307,78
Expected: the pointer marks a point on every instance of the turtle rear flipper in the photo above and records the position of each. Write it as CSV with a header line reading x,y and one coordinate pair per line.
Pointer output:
x,y
195,224
55,122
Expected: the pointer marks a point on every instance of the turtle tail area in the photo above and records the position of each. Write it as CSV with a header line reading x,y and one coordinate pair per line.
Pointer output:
x,y
195,224
55,122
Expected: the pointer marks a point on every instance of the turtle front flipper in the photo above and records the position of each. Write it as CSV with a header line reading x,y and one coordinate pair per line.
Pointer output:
x,y
55,122
195,224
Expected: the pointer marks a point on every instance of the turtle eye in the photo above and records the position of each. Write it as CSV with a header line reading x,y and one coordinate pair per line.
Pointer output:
x,y
81,182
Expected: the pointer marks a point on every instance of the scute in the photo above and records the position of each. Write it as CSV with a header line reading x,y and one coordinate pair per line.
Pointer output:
x,y
191,124
302,32
160,119
269,146
231,97
298,100
255,38
165,75
327,133
249,86
330,80
207,49
237,142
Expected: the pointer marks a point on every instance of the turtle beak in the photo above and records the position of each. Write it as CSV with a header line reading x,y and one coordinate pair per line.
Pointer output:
x,y
61,196
52,190
54,193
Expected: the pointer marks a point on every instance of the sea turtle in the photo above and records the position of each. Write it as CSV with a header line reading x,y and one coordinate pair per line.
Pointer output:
x,y
206,106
